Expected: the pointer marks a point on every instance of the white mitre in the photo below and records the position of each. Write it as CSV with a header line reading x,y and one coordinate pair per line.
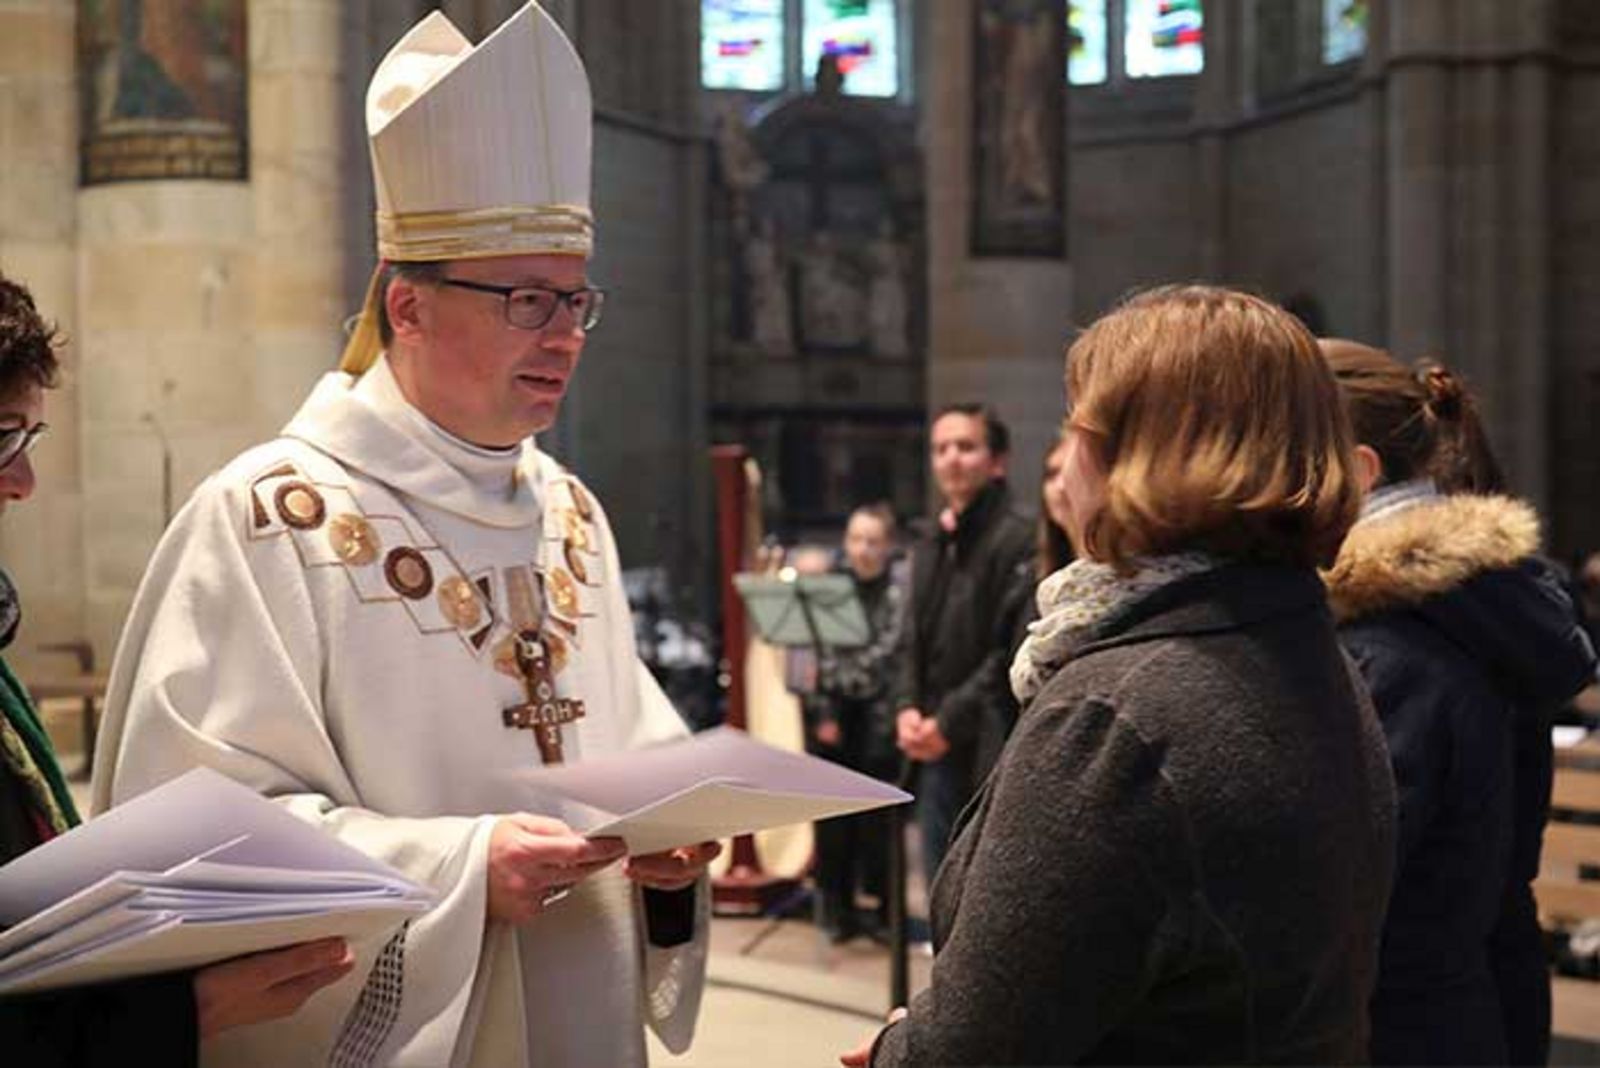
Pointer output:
x,y
477,151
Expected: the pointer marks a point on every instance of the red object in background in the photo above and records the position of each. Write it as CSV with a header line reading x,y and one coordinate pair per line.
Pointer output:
x,y
745,888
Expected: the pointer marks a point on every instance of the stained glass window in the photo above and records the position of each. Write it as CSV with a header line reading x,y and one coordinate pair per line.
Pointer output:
x,y
862,33
1162,38
741,44
1086,41
1344,29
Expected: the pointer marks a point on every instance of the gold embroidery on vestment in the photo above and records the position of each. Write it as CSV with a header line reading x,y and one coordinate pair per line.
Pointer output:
x,y
300,506
577,532
354,540
563,592
580,501
408,573
560,652
505,656
459,603
575,563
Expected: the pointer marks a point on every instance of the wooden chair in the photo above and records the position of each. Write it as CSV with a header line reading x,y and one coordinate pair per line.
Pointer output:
x,y
1564,898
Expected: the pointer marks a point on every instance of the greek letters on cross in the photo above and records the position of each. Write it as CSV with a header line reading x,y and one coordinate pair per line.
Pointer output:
x,y
543,713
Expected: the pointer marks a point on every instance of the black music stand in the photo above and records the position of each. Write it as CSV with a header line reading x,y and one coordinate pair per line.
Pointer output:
x,y
807,612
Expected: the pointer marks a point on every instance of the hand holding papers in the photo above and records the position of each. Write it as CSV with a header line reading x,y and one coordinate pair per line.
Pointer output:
x,y
713,785
197,870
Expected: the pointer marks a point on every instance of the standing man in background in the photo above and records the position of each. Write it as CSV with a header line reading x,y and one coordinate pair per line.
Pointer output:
x,y
955,707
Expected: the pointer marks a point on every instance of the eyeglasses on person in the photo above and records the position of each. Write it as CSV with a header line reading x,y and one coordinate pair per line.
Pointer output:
x,y
532,307
19,440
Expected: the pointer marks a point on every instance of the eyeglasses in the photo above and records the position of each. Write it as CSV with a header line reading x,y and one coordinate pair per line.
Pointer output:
x,y
532,307
19,440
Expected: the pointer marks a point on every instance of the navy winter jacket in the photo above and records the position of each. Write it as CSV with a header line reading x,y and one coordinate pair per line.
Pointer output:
x,y
1468,643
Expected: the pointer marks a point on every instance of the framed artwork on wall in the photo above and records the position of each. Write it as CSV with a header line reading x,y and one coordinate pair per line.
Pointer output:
x,y
162,90
1019,128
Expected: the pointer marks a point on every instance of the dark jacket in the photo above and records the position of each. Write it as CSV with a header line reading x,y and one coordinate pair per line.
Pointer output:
x,y
1182,856
958,645
854,685
1468,644
148,1021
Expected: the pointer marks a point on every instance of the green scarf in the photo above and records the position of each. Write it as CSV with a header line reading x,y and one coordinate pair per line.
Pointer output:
x,y
25,750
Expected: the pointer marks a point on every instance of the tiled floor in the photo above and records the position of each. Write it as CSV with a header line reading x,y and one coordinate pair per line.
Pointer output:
x,y
793,1000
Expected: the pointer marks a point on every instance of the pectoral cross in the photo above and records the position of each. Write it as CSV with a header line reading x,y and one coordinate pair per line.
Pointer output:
x,y
543,713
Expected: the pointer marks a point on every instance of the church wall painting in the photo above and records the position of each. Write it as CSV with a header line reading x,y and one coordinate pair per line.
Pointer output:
x,y
162,90
1019,129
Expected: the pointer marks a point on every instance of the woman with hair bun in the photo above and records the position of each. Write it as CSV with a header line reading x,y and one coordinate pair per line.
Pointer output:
x,y
1468,642
1184,851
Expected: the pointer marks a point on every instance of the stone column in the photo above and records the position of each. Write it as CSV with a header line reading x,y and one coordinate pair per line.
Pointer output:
x,y
166,278
1216,100
208,307
41,542
1469,136
297,178
1418,178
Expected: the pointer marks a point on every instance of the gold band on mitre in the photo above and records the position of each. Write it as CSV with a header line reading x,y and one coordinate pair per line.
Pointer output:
x,y
462,235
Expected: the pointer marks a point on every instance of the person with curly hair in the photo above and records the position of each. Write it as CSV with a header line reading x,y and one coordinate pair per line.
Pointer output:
x,y
163,1016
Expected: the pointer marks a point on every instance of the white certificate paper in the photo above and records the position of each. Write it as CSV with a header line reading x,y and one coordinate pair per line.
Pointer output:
x,y
712,785
197,870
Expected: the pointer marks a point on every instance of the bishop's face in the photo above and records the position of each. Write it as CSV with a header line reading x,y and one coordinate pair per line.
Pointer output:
x,y
466,367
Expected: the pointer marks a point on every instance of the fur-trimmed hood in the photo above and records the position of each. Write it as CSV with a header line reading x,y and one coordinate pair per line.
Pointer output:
x,y
1401,560
1469,568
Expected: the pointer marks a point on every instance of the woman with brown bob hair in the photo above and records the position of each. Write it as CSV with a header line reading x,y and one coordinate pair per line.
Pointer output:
x,y
1183,854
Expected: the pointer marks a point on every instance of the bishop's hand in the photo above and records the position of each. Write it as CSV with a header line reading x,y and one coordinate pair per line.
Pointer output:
x,y
534,860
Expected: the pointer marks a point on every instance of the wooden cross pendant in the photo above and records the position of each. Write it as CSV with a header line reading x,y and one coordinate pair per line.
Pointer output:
x,y
543,713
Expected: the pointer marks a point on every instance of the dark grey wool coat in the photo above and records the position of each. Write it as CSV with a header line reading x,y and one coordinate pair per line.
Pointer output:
x,y
1183,855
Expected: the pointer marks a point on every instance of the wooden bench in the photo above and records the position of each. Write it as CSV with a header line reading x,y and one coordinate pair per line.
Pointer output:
x,y
1565,899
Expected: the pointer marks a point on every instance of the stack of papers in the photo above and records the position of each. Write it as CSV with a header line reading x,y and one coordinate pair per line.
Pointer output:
x,y
709,786
197,870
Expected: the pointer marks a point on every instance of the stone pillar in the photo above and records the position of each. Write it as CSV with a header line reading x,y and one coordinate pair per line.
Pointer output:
x,y
1469,136
166,280
41,543
1575,288
997,328
208,307
1216,98
297,178
1418,179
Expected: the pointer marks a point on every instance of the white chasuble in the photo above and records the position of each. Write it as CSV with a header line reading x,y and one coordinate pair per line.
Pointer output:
x,y
330,620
